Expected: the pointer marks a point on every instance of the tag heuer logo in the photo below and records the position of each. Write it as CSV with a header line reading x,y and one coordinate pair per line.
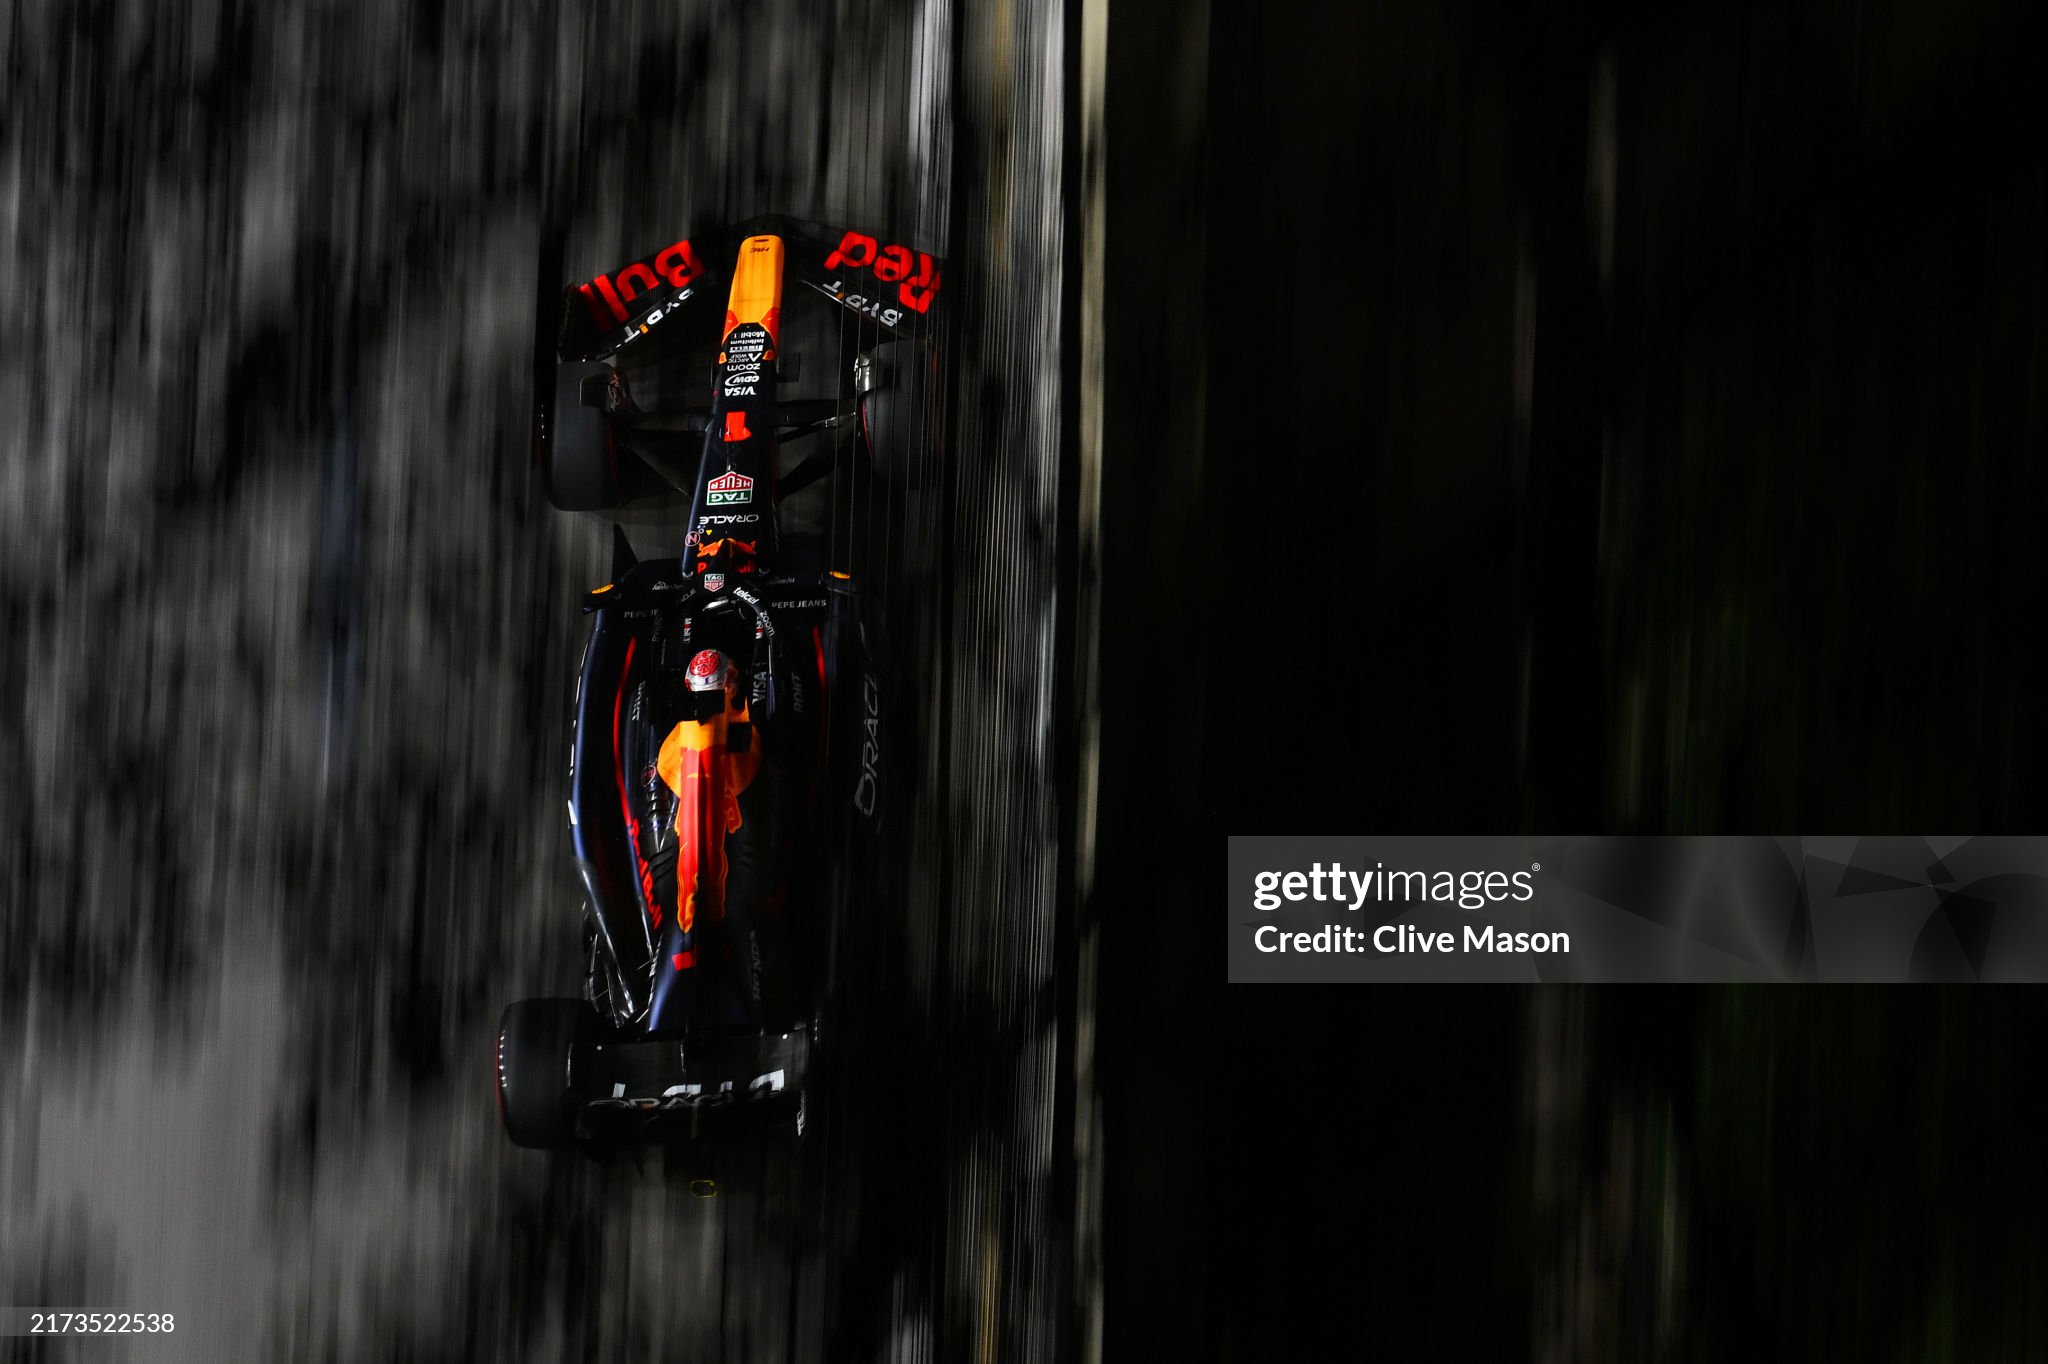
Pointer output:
x,y
729,489
714,581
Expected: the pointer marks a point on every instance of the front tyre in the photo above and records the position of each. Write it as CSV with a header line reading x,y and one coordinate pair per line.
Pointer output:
x,y
538,1050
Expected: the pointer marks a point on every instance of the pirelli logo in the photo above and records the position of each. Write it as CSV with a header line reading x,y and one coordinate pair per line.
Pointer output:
x,y
729,489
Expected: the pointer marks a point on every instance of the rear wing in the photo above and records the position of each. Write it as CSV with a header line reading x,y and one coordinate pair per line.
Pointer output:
x,y
887,282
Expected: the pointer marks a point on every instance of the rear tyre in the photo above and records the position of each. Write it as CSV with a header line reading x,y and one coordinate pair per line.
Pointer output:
x,y
538,1045
898,382
579,460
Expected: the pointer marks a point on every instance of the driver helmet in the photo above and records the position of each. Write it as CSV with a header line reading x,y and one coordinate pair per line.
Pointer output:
x,y
711,670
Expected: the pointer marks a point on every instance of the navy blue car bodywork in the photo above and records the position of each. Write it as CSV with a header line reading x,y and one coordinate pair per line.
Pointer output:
x,y
726,760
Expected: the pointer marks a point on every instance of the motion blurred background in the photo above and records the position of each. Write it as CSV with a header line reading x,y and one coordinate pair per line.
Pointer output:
x,y
1409,418
291,640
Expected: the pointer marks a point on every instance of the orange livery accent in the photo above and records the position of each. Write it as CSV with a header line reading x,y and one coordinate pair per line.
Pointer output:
x,y
711,549
707,775
757,289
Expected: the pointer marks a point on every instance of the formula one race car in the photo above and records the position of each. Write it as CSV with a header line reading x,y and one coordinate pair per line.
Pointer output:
x,y
725,772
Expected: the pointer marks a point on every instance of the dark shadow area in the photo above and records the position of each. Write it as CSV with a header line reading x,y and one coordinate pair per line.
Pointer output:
x,y
1611,420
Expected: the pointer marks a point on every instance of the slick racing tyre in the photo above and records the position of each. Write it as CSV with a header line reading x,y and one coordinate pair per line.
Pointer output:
x,y
537,1054
897,386
582,467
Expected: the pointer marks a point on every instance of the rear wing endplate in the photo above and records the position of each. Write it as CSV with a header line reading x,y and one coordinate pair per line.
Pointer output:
x,y
889,283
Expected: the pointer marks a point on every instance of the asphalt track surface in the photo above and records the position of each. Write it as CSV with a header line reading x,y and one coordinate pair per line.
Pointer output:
x,y
291,640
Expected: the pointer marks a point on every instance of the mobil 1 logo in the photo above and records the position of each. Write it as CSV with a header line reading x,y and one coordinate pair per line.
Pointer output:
x,y
746,350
